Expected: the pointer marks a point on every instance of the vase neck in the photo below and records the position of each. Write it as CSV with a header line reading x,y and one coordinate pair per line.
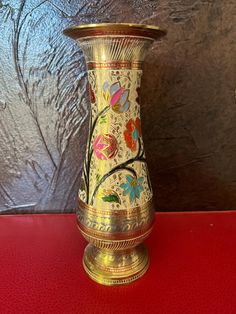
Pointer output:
x,y
115,51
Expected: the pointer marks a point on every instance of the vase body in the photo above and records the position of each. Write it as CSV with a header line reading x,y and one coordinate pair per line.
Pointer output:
x,y
115,209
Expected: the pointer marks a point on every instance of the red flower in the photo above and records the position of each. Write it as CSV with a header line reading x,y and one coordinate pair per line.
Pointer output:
x,y
132,133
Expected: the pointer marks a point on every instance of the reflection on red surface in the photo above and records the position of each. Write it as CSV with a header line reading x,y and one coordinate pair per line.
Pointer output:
x,y
193,268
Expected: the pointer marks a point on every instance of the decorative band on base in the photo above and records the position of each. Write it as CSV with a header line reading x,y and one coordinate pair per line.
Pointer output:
x,y
115,267
115,243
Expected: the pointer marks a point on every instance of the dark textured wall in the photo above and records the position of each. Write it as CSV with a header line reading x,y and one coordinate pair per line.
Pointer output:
x,y
188,95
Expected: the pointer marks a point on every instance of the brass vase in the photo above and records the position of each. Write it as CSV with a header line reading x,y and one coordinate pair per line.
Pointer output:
x,y
115,210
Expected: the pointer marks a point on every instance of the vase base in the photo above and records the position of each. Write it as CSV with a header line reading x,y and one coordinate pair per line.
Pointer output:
x,y
111,268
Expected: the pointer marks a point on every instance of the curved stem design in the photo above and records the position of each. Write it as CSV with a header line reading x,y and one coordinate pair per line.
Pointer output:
x,y
123,166
95,122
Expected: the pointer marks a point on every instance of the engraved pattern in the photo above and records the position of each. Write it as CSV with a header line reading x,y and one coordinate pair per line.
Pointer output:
x,y
106,226
114,244
121,267
116,48
112,225
110,281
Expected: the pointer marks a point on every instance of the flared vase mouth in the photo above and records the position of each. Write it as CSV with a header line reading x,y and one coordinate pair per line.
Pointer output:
x,y
115,29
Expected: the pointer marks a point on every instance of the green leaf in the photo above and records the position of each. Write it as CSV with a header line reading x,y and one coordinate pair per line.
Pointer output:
x,y
98,177
82,185
111,198
103,119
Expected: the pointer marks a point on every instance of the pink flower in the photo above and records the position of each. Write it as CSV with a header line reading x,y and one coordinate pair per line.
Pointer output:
x,y
105,146
117,96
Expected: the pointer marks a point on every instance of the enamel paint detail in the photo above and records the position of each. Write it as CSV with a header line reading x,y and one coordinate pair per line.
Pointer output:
x,y
115,174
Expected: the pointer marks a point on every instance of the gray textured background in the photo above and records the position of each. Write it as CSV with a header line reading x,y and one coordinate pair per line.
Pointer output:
x,y
188,97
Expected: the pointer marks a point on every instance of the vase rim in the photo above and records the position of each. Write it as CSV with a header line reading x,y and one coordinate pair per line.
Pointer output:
x,y
114,29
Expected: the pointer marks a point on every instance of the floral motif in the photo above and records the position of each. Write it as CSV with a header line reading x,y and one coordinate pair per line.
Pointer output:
x,y
117,96
132,133
133,187
117,179
105,146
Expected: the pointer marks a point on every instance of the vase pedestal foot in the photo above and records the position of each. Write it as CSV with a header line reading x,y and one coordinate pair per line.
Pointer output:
x,y
118,267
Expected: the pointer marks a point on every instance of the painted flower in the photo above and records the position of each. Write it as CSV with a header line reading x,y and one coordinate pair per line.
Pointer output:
x,y
105,146
133,187
117,96
132,133
91,93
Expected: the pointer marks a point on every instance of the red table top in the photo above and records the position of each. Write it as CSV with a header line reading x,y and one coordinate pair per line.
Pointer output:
x,y
193,267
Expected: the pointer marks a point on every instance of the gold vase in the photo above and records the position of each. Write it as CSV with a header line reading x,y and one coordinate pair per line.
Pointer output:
x,y
115,212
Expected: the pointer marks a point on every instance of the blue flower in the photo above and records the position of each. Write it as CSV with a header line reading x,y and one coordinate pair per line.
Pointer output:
x,y
133,187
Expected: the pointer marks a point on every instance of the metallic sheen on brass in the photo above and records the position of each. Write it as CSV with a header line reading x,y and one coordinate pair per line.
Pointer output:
x,y
115,209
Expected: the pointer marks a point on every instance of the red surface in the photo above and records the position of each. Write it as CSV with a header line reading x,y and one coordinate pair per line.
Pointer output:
x,y
193,267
